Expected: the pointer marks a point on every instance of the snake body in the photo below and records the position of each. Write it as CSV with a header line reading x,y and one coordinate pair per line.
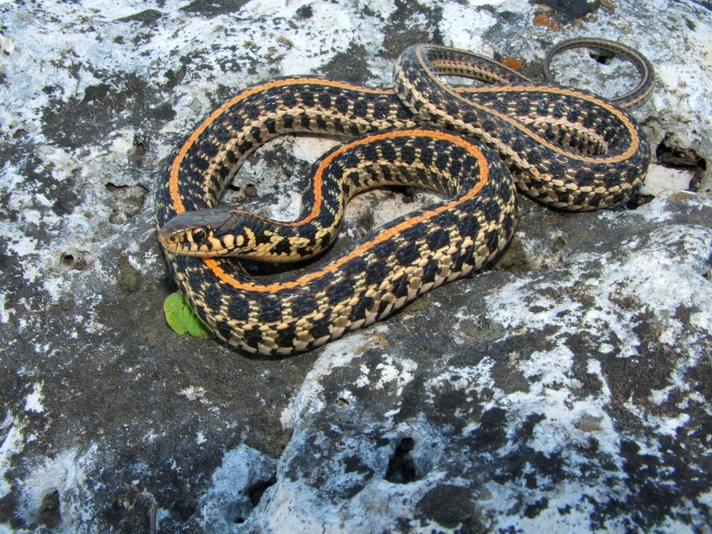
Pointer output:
x,y
565,148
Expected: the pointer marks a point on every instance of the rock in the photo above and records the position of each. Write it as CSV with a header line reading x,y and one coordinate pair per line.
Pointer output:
x,y
567,386
584,406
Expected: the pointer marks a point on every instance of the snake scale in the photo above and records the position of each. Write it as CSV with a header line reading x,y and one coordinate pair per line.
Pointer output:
x,y
474,144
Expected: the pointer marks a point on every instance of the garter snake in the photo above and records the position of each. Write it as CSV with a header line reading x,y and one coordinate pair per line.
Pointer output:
x,y
565,148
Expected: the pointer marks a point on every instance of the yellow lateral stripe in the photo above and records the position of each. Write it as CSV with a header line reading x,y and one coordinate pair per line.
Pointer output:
x,y
173,185
425,64
362,249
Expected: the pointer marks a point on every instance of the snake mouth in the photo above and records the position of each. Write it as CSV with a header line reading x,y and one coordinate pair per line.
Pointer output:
x,y
208,232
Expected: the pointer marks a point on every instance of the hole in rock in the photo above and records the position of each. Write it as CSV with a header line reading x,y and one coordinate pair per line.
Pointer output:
x,y
238,512
184,508
677,169
401,468
258,489
674,157
603,57
241,510
74,259
49,512
126,201
250,191
139,142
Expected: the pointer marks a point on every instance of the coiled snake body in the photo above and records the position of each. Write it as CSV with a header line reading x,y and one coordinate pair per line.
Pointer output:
x,y
565,148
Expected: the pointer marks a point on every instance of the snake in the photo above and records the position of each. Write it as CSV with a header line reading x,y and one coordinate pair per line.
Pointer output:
x,y
475,144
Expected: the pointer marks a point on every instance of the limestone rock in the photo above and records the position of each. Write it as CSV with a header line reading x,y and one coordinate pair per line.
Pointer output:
x,y
569,386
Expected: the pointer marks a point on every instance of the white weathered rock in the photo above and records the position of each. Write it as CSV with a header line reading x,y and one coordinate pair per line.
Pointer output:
x,y
568,387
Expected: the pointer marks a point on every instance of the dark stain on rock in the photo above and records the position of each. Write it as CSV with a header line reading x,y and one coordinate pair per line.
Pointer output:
x,y
39,175
305,12
124,101
404,29
632,378
697,377
354,464
128,277
570,10
533,509
49,512
15,291
505,371
350,66
451,506
491,434
132,510
213,8
147,17
648,501
590,382
8,505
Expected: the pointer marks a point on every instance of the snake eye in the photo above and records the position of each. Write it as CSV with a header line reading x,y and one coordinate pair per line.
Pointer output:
x,y
199,234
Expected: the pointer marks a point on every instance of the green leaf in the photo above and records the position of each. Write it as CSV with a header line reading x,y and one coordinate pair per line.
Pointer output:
x,y
181,317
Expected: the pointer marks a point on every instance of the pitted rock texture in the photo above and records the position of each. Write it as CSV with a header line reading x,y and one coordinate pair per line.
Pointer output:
x,y
567,387
587,409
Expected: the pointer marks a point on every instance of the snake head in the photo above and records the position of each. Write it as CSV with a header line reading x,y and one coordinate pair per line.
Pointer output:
x,y
206,233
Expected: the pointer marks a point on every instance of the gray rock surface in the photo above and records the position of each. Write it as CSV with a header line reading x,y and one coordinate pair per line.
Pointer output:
x,y
567,388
